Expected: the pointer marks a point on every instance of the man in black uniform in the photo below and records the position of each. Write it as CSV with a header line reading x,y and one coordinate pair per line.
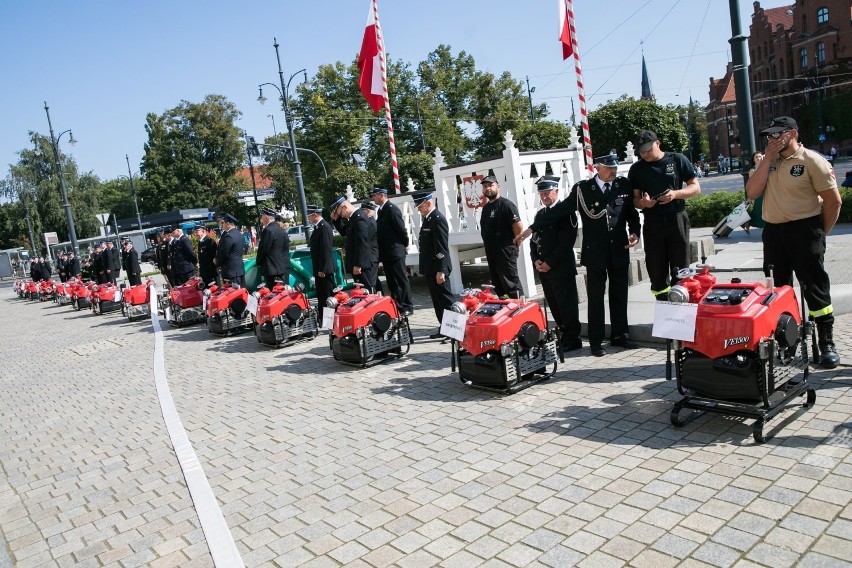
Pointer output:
x,y
434,245
552,252
182,260
114,262
206,254
658,192
73,265
163,237
322,255
273,251
361,250
229,257
393,244
131,264
499,225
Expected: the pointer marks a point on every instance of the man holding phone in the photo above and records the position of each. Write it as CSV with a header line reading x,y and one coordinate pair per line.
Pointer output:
x,y
800,207
659,192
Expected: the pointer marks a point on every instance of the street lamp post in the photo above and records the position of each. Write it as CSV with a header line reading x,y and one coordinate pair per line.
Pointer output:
x,y
133,192
288,117
530,91
54,142
272,116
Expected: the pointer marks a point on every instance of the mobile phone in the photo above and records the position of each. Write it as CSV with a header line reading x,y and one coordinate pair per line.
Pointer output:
x,y
659,195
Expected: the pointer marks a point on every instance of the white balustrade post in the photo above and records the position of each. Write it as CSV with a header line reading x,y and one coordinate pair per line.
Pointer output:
x,y
515,192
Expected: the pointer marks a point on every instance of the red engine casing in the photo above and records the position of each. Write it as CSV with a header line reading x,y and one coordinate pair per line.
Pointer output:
x,y
498,321
106,292
61,288
137,295
275,302
187,295
221,298
359,310
735,317
31,288
81,289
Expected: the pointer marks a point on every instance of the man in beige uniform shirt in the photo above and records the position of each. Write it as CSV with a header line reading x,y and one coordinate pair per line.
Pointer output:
x,y
800,206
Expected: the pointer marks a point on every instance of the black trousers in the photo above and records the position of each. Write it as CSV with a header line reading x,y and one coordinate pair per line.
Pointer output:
x,y
563,303
272,278
503,267
323,287
442,296
666,249
134,279
181,278
368,277
596,279
799,246
236,281
400,288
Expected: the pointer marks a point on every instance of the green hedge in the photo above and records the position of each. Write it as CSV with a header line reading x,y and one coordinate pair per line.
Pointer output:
x,y
707,210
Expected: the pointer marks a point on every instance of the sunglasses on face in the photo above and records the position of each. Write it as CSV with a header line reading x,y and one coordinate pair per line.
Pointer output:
x,y
777,135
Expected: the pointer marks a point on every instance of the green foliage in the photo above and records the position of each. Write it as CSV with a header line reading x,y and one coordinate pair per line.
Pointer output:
x,y
191,157
542,135
618,122
846,207
707,210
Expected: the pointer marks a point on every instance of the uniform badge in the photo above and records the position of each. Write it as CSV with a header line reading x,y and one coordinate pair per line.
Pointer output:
x,y
669,168
492,214
797,170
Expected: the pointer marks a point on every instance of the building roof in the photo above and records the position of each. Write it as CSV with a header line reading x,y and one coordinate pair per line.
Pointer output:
x,y
261,181
781,15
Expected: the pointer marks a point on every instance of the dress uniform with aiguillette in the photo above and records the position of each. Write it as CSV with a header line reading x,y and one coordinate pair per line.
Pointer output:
x,y
610,228
229,255
206,254
322,256
273,251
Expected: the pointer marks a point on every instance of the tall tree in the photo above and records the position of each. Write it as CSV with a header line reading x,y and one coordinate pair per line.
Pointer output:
x,y
192,155
618,122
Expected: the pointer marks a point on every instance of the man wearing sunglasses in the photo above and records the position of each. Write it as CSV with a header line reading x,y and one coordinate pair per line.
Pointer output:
x,y
801,204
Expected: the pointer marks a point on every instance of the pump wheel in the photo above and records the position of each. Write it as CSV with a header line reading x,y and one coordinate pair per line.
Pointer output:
x,y
810,398
757,431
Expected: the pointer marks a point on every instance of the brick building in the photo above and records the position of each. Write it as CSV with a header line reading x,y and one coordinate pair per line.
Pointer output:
x,y
801,66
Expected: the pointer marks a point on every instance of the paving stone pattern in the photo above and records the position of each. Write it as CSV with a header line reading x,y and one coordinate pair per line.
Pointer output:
x,y
319,464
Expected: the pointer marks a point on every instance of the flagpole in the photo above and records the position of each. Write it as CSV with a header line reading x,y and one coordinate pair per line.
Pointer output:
x,y
581,92
388,119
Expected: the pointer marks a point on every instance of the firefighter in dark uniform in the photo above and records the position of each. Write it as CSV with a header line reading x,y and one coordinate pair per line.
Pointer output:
x,y
164,235
801,206
610,229
182,258
552,252
362,249
499,225
322,255
434,245
229,254
73,265
273,251
658,192
206,254
393,244
114,256
131,264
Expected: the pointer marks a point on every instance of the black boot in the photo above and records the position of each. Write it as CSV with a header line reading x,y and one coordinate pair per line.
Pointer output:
x,y
829,358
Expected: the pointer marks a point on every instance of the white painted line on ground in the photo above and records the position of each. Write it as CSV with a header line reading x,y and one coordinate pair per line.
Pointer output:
x,y
220,542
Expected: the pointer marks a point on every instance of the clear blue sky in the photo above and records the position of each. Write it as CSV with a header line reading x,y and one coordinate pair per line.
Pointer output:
x,y
102,65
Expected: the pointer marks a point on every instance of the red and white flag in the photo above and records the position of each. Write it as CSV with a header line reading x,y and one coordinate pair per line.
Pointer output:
x,y
566,34
370,64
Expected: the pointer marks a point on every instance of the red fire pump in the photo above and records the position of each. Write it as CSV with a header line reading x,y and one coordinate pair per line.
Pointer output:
x,y
184,304
61,296
105,298
20,287
47,291
226,309
507,344
81,295
367,327
750,354
136,300
284,315
31,289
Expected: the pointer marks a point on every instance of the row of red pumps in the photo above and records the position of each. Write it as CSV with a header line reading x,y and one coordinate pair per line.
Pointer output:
x,y
507,345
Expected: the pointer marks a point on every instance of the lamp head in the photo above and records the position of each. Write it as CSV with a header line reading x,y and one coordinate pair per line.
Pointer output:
x,y
260,98
72,140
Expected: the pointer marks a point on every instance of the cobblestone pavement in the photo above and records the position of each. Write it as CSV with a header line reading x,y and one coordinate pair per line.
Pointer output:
x,y
319,464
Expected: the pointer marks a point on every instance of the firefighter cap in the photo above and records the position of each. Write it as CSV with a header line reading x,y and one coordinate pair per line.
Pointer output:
x,y
421,197
333,207
314,210
228,218
609,160
378,189
268,212
546,183
369,205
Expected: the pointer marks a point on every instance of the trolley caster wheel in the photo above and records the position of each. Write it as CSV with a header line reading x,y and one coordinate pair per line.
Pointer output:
x,y
810,398
757,431
673,417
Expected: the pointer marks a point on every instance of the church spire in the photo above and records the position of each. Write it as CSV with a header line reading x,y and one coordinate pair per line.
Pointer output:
x,y
647,95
